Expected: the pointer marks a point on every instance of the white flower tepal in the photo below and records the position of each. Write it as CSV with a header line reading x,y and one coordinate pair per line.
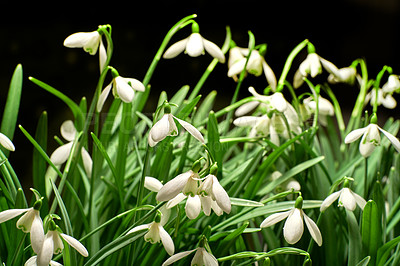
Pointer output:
x,y
194,46
89,41
201,257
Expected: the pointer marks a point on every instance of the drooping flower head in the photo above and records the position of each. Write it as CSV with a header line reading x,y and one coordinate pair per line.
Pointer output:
x,y
122,88
347,198
194,46
166,127
294,225
370,138
6,142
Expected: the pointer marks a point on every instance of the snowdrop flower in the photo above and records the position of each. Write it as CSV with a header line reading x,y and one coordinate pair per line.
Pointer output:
x,y
201,257
336,75
30,222
61,154
256,64
325,108
156,233
347,199
211,187
310,66
33,261
392,85
294,225
194,46
370,138
186,183
384,98
89,41
166,127
6,142
122,88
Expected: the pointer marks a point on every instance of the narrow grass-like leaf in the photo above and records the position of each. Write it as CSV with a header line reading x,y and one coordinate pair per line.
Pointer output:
x,y
371,232
76,110
228,241
245,202
364,262
355,241
213,142
204,108
10,114
385,251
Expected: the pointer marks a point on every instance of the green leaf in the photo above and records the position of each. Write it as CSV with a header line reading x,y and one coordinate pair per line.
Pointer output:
x,y
76,110
229,240
213,142
355,242
371,232
10,114
364,262
179,97
289,174
385,251
204,108
188,108
245,202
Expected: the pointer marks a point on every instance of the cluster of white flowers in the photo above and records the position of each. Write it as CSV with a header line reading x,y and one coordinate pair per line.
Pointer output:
x,y
44,245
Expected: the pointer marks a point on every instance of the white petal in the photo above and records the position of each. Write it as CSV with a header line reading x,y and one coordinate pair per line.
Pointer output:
x,y
55,263
191,129
236,68
220,195
274,218
193,207
138,228
175,49
124,90
135,84
359,200
254,65
395,141
298,79
60,155
58,243
25,221
160,130
152,184
279,102
6,142
173,129
173,187
214,50
87,40
37,234
87,162
46,252
177,257
75,244
347,199
166,241
313,229
206,204
315,65
354,135
246,121
389,102
194,46
214,206
176,200
329,66
68,130
12,213
103,96
102,56
269,75
208,259
31,261
246,108
294,227
329,200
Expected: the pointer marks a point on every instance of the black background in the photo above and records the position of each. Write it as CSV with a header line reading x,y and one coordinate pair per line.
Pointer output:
x,y
33,35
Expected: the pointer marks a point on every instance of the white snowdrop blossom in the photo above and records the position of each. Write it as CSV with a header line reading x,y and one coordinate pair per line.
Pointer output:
x,y
256,65
122,88
294,224
33,261
61,154
384,98
211,187
343,75
194,46
370,138
53,244
186,183
310,66
325,108
29,222
166,127
347,199
156,233
392,84
6,142
89,41
201,257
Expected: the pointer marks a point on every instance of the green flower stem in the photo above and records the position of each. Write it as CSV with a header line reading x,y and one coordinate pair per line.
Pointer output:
x,y
358,107
288,64
338,111
377,84
210,68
